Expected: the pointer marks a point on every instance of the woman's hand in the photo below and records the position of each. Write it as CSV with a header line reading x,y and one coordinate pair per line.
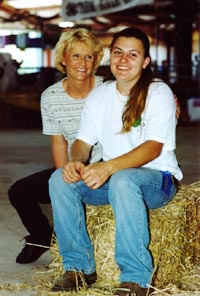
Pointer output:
x,y
96,174
72,171
178,107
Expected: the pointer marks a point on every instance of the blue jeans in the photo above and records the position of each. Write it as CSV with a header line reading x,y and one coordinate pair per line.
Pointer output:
x,y
130,192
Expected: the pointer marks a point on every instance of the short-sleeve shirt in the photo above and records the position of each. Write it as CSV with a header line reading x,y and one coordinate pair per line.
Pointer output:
x,y
102,121
61,114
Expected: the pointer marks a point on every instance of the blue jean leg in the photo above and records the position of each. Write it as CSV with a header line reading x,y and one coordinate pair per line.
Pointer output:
x,y
69,219
131,192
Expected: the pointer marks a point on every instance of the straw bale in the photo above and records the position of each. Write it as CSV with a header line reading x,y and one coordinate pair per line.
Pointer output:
x,y
175,243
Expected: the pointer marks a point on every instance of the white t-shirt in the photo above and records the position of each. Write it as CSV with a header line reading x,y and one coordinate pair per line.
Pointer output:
x,y
101,121
61,114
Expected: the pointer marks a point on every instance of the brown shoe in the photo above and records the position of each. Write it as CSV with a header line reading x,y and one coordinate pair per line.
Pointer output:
x,y
73,280
132,289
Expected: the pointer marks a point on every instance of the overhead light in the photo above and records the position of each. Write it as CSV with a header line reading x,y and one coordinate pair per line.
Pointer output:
x,y
162,26
146,17
116,29
170,27
34,34
172,15
103,19
66,24
23,4
4,32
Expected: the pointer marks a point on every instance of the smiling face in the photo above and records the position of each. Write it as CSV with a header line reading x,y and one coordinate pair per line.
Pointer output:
x,y
79,61
127,59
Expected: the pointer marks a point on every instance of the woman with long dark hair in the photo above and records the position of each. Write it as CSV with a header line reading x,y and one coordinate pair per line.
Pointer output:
x,y
134,120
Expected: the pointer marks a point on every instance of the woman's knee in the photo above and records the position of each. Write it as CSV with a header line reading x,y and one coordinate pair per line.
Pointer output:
x,y
123,184
16,192
55,180
121,179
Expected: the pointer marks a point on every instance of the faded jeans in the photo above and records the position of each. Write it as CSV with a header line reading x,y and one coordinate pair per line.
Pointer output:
x,y
131,192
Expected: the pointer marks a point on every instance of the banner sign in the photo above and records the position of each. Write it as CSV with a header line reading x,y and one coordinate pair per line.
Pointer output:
x,y
79,9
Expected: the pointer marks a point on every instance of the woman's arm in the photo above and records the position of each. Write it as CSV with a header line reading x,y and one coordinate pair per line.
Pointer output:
x,y
80,154
96,174
139,156
81,151
178,107
59,150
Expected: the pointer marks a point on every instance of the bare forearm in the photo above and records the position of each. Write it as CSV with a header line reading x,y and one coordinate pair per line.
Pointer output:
x,y
136,158
94,175
60,159
59,151
80,151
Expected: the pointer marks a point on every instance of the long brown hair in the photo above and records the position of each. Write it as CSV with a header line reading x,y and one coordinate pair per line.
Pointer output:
x,y
137,97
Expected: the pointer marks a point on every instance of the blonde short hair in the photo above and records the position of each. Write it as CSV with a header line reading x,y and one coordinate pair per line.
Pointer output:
x,y
69,38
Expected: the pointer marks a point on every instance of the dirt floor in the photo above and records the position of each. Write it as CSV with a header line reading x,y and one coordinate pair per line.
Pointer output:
x,y
23,152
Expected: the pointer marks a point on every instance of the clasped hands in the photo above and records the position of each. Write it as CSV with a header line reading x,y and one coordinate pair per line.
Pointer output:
x,y
93,175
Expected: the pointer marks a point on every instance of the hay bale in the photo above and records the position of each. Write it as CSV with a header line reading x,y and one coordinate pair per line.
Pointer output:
x,y
175,240
175,236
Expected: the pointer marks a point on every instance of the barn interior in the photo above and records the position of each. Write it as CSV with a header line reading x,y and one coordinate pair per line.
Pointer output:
x,y
29,31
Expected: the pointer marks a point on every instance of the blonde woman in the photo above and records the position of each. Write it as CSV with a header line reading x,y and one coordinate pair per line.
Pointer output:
x,y
77,55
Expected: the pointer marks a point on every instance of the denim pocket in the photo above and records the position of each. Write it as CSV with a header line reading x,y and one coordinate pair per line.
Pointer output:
x,y
167,182
168,188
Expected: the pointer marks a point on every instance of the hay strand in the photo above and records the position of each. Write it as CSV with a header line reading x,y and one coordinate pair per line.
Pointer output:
x,y
175,245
